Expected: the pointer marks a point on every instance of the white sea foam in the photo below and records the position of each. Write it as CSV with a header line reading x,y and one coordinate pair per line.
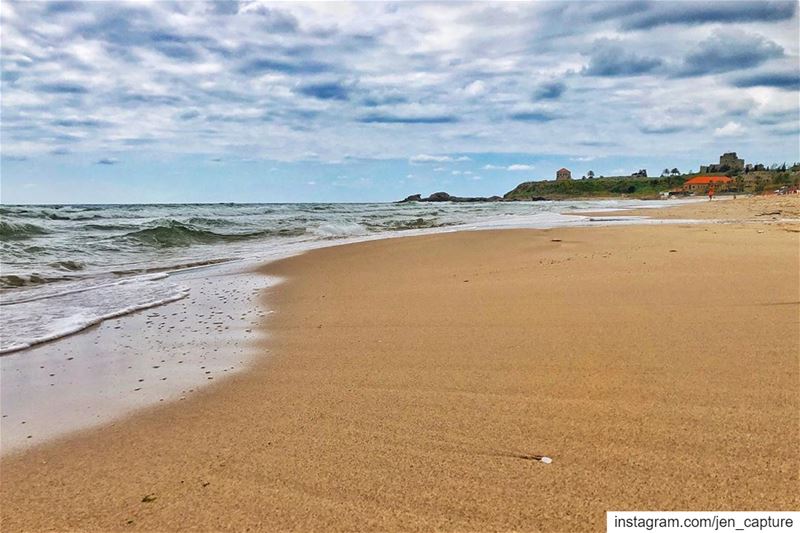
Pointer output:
x,y
34,321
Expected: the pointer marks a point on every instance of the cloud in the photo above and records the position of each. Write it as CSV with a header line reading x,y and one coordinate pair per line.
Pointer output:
x,y
107,161
276,20
731,129
62,88
427,158
789,80
723,52
265,65
326,91
381,98
150,99
694,13
80,123
389,118
517,167
533,116
610,58
232,79
550,90
475,88
660,129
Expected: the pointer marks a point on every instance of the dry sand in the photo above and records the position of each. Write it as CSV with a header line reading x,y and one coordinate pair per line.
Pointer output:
x,y
407,379
725,208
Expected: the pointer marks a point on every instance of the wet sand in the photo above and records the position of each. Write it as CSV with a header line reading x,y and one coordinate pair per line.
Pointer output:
x,y
406,382
112,369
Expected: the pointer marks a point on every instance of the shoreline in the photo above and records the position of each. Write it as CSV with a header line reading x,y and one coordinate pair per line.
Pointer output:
x,y
96,375
407,396
153,287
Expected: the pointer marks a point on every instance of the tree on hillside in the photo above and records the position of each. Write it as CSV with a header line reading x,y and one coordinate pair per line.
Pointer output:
x,y
665,172
590,174
676,172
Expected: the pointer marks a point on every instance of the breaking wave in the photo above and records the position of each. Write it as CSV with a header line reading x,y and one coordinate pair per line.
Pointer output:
x,y
172,233
16,231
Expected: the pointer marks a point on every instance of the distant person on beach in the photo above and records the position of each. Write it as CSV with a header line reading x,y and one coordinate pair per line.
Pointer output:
x,y
710,193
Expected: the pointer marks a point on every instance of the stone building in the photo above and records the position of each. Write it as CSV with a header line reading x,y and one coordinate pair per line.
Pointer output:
x,y
563,174
727,161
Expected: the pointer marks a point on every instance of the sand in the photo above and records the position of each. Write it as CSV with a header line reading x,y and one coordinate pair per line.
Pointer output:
x,y
406,381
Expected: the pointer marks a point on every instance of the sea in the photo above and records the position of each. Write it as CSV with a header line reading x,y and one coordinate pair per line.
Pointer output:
x,y
67,267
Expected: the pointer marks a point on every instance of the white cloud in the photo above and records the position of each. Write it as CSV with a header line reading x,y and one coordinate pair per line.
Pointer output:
x,y
476,88
426,158
512,168
731,129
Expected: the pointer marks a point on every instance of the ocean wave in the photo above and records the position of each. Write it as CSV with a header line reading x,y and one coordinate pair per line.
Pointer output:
x,y
214,222
108,227
333,230
17,231
72,266
15,281
172,233
20,336
418,223
79,286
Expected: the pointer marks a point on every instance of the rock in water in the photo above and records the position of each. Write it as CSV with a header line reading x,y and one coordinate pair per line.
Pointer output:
x,y
412,198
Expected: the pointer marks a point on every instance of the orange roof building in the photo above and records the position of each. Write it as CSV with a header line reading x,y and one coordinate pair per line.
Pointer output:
x,y
702,183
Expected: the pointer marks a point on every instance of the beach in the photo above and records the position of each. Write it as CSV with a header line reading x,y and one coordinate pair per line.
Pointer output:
x,y
407,384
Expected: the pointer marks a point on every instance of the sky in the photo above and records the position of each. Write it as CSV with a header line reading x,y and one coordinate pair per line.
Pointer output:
x,y
249,101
